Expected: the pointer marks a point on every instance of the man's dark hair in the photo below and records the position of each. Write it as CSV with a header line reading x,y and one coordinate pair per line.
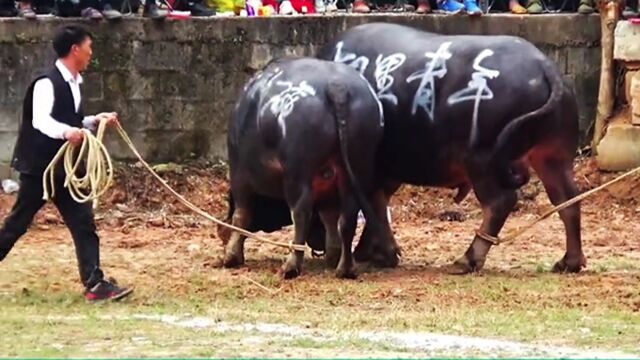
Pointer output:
x,y
67,37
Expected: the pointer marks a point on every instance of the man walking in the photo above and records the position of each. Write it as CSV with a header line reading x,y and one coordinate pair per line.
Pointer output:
x,y
52,113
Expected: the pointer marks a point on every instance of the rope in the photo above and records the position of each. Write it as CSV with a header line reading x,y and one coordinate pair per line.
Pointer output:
x,y
99,177
519,231
99,169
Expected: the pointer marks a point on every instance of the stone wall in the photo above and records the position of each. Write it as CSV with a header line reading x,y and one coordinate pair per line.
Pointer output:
x,y
174,83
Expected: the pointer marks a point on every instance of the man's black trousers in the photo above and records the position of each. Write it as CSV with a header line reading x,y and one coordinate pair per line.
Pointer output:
x,y
78,218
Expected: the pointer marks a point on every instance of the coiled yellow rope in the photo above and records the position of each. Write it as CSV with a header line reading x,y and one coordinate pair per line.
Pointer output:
x,y
99,176
99,169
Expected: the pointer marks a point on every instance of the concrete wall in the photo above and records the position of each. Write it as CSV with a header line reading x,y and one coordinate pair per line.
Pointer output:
x,y
174,83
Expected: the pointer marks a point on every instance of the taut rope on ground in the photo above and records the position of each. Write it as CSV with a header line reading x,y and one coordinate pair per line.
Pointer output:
x,y
99,176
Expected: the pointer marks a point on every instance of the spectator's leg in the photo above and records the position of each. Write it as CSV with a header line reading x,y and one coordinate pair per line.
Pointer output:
x,y
151,10
424,7
472,8
89,9
196,7
43,7
25,10
403,5
631,9
516,8
450,6
535,7
108,11
586,7
67,8
286,8
552,6
361,7
331,5
8,8
565,4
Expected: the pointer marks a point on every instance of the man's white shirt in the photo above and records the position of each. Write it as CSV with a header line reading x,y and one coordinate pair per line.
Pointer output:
x,y
43,98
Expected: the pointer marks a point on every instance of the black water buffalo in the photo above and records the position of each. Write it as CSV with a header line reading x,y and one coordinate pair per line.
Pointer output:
x,y
468,112
301,144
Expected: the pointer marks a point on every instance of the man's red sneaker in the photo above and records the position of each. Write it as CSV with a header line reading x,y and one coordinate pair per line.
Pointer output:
x,y
104,290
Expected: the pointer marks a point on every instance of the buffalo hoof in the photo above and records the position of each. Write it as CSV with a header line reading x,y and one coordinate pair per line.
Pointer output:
x,y
232,260
464,266
346,273
570,266
381,258
387,258
290,271
362,253
332,257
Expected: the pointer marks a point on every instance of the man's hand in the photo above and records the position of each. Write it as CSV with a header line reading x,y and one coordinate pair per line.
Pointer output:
x,y
74,136
111,118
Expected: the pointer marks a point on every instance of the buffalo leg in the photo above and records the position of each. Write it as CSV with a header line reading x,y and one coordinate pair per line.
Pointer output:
x,y
333,245
381,250
347,227
497,203
234,250
299,199
557,177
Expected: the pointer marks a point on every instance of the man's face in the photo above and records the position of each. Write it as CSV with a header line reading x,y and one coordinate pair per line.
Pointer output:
x,y
82,54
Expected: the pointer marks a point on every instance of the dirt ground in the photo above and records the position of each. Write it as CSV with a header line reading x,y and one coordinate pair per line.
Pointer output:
x,y
430,227
154,242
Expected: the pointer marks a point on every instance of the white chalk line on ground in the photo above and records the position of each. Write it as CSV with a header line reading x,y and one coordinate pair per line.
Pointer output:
x,y
408,341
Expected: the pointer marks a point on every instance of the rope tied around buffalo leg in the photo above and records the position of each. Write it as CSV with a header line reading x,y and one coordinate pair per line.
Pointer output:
x,y
521,230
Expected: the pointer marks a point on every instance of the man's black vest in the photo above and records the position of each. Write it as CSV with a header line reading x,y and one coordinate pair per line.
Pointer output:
x,y
34,150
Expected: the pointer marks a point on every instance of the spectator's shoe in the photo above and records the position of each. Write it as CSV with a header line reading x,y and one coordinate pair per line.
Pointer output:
x,y
472,8
629,13
535,7
91,13
586,7
450,6
105,290
27,12
44,10
516,8
423,7
361,7
200,10
320,6
331,6
151,11
403,6
109,13
286,8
